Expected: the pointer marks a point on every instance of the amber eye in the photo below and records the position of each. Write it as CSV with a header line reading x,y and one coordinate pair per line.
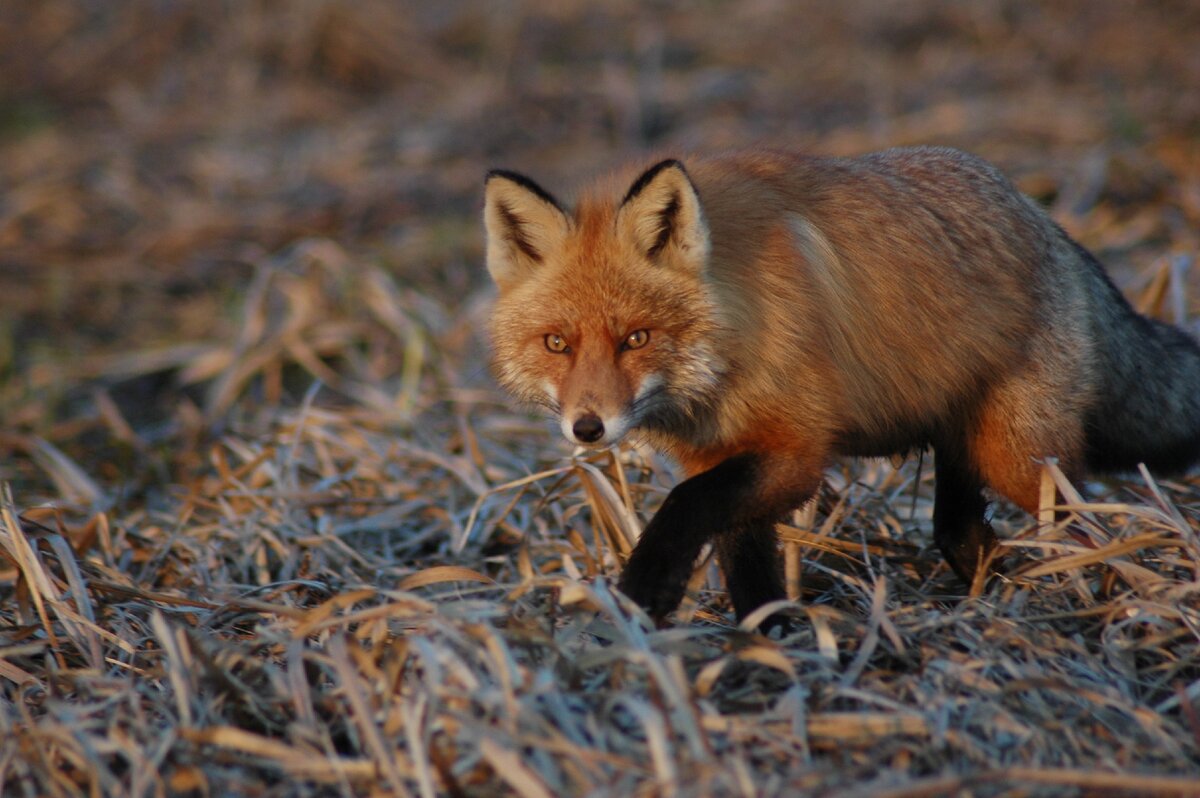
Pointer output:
x,y
636,339
556,343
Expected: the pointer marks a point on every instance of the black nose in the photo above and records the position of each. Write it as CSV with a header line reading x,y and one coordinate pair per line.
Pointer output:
x,y
589,428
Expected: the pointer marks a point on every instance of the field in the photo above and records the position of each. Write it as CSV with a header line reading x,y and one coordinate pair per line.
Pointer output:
x,y
267,527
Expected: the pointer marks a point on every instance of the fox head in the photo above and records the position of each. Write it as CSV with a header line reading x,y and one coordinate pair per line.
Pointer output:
x,y
604,314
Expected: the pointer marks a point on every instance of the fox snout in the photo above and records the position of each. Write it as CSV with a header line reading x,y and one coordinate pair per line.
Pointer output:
x,y
591,419
586,427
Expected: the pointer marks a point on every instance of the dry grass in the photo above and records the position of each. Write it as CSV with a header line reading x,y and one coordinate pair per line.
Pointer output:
x,y
391,598
267,529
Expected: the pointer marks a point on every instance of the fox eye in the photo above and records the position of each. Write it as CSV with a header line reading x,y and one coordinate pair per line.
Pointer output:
x,y
556,343
636,339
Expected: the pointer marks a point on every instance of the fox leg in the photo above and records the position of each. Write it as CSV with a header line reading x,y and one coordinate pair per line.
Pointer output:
x,y
959,527
694,512
749,558
735,504
1015,428
1035,414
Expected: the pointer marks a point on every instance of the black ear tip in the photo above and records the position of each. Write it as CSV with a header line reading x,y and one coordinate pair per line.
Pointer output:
x,y
524,182
650,174
504,173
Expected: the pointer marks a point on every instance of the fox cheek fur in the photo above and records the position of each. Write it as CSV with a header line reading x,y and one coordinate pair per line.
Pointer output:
x,y
800,308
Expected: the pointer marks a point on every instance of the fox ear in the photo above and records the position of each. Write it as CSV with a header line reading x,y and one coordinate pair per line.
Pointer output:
x,y
524,225
662,214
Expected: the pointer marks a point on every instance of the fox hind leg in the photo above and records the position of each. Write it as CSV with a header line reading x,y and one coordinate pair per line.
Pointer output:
x,y
1032,416
1034,412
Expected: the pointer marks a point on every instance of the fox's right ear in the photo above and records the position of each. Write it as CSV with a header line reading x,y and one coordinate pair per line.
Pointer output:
x,y
524,225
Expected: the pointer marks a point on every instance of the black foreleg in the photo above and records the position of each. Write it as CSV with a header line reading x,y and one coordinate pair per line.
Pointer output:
x,y
695,512
735,505
749,558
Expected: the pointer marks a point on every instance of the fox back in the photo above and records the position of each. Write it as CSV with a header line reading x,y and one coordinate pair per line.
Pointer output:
x,y
775,310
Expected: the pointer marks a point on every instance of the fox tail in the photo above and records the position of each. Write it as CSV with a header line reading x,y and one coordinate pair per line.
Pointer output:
x,y
1148,408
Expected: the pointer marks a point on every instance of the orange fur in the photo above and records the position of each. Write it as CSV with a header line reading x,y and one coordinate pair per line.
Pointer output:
x,y
788,309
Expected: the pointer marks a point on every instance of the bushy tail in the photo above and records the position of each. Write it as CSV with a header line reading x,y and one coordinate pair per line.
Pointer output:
x,y
1148,410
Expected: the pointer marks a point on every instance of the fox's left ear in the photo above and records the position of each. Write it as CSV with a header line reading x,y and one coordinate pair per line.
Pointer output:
x,y
662,214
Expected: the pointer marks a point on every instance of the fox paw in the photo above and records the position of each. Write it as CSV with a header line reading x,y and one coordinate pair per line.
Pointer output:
x,y
656,587
778,625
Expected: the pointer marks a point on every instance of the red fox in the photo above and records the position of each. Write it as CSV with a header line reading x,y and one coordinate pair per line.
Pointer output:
x,y
755,314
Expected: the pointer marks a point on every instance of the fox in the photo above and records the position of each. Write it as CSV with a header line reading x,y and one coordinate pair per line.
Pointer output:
x,y
753,315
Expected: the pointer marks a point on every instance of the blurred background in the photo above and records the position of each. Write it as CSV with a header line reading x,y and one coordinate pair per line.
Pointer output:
x,y
206,205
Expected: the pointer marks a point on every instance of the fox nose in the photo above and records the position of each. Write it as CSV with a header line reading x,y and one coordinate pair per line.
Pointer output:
x,y
588,428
